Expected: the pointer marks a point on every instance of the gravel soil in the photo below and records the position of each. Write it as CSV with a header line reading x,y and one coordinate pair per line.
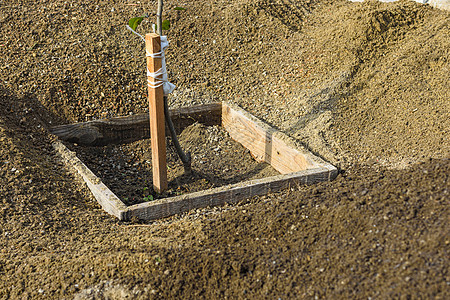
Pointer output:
x,y
363,85
126,169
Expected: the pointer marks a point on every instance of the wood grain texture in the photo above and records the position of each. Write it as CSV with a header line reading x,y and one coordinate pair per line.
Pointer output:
x,y
156,112
266,144
227,194
104,196
133,128
263,141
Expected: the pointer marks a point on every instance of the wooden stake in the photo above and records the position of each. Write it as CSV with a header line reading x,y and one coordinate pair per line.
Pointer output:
x,y
156,110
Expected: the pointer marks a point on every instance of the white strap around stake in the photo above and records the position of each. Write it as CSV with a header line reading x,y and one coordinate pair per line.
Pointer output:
x,y
167,86
131,29
159,54
160,76
157,83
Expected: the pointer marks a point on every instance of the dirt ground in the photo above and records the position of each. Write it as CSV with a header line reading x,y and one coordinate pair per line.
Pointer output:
x,y
126,168
363,85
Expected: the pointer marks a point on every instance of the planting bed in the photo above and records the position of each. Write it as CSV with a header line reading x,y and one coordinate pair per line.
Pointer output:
x,y
217,160
221,167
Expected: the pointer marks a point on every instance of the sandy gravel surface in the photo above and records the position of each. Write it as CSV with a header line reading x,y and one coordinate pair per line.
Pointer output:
x,y
363,85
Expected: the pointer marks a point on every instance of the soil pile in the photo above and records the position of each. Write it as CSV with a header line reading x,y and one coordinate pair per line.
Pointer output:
x,y
361,84
396,109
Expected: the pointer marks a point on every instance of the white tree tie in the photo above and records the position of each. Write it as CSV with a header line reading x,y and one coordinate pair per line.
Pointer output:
x,y
160,77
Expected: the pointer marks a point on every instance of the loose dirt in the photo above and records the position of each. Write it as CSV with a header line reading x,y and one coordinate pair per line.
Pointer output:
x,y
363,85
126,169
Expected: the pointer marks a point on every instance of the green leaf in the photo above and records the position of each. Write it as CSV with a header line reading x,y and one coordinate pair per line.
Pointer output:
x,y
165,25
179,8
148,198
134,22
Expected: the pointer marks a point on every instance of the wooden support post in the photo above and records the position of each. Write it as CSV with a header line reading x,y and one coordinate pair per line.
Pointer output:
x,y
156,110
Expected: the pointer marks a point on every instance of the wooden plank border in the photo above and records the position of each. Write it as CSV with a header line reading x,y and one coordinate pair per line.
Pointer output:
x,y
267,144
104,196
133,128
244,128
233,193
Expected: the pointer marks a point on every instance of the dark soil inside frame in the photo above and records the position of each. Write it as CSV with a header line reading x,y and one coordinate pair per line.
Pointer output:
x,y
217,160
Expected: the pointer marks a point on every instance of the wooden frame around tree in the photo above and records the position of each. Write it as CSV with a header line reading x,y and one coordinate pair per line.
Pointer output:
x,y
295,164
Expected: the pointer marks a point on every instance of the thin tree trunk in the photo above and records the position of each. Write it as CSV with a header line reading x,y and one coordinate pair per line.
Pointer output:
x,y
159,18
185,158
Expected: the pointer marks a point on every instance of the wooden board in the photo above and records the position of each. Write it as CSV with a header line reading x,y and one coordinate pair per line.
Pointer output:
x,y
133,128
104,196
267,144
227,194
156,114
